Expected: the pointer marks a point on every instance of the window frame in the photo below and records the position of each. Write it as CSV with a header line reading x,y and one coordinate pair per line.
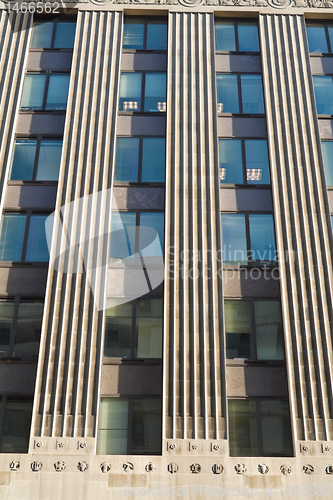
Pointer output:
x,y
239,93
143,86
236,21
44,110
321,116
328,41
145,20
62,19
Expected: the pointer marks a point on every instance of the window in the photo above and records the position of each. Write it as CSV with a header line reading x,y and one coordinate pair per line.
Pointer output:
x,y
15,422
243,161
36,159
320,37
136,232
130,426
54,34
45,91
20,328
147,88
140,159
259,427
239,93
253,329
327,149
248,239
231,36
323,88
23,237
134,329
141,34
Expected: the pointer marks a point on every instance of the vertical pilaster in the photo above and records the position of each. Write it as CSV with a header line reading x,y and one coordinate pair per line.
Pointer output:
x,y
194,382
302,223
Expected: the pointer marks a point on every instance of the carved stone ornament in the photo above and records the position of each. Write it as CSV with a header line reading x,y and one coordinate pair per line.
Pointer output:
x,y
194,447
305,448
60,445
150,467
329,470
105,467
217,468
240,468
82,466
263,468
15,465
308,469
172,446
128,466
195,468
327,448
285,469
83,445
60,466
277,4
216,447
39,444
173,468
36,466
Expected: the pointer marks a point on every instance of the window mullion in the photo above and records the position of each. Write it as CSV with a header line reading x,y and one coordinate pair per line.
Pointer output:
x,y
253,330
248,239
34,171
55,22
244,161
240,100
46,88
3,400
13,329
133,336
259,428
143,85
130,425
28,214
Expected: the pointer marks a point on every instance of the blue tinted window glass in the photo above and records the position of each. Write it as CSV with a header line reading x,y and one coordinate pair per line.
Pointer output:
x,y
327,148
234,239
231,163
225,36
316,37
227,93
33,91
127,159
49,160
42,34
11,236
57,93
23,160
147,247
323,87
252,96
262,238
133,34
65,35
157,36
130,92
332,221
153,159
330,34
257,165
248,39
123,229
155,92
37,250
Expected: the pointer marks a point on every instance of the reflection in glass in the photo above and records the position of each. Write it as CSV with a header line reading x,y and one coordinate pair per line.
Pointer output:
x,y
149,316
113,426
57,93
147,426
123,229
147,247
157,35
155,91
225,36
327,149
23,159
65,35
11,236
127,159
257,165
323,87
16,429
42,34
37,249
262,238
330,35
269,334
248,39
33,91
6,318
28,329
130,91
49,160
243,436
234,239
316,37
276,431
118,328
153,159
237,328
227,93
231,163
252,95
133,34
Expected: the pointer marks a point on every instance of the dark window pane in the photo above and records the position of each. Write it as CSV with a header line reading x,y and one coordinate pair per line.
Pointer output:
x,y
225,36
227,93
276,431
16,430
6,318
243,437
127,159
37,249
323,87
248,39
155,92
57,92
269,334
252,96
327,148
157,35
234,239
147,247
153,159
262,238
133,34
28,329
23,160
231,163
42,34
113,426
130,92
149,328
316,37
11,236
33,91
118,328
237,328
65,35
332,221
257,165
147,426
49,160
123,231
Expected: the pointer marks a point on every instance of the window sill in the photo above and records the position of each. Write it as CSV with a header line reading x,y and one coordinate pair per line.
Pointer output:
x,y
33,183
226,267
18,361
321,54
240,115
144,51
246,186
49,49
130,361
139,184
42,112
238,52
142,113
325,117
6,264
254,362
